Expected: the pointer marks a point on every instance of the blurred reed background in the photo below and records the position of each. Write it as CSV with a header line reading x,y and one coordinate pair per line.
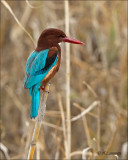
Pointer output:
x,y
98,77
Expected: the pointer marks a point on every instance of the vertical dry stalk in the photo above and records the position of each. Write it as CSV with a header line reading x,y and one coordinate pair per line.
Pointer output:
x,y
63,123
114,134
85,124
68,81
86,129
4,150
38,123
98,127
37,151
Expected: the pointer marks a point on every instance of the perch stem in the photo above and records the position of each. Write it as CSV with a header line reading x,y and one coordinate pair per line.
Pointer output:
x,y
68,109
38,123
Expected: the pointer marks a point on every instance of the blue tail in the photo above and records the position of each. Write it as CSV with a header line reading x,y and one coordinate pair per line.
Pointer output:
x,y
34,92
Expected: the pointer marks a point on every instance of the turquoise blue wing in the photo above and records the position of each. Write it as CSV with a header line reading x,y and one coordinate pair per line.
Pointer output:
x,y
30,61
28,65
38,76
39,61
35,62
35,68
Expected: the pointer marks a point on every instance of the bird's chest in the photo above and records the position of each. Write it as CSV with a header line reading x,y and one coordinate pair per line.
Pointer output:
x,y
51,72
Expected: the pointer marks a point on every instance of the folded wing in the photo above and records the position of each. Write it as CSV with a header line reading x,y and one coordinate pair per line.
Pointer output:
x,y
37,67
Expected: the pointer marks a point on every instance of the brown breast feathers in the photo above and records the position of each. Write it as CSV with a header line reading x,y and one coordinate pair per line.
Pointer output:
x,y
53,52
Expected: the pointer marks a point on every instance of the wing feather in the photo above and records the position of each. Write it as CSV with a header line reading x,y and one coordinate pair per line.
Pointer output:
x,y
38,66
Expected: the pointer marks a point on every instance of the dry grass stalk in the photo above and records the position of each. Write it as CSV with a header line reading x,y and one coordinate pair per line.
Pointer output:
x,y
52,113
59,145
116,157
90,89
37,150
28,3
75,153
98,127
66,3
38,123
112,138
84,153
18,22
86,129
4,150
81,152
114,134
52,126
82,108
63,123
93,105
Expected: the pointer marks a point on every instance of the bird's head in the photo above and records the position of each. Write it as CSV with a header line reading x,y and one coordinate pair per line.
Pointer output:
x,y
51,37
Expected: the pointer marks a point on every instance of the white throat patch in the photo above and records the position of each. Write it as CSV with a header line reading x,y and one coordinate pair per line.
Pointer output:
x,y
59,44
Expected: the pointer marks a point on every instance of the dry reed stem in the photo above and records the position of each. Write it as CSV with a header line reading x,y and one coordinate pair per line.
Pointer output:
x,y
60,147
57,154
53,113
28,3
80,153
37,150
94,104
112,137
63,123
4,150
84,153
90,89
52,126
75,153
98,127
27,142
34,140
82,108
114,134
86,129
68,109
18,22
38,123
116,157
88,153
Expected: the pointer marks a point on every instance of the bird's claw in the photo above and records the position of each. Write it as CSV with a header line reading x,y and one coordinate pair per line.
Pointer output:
x,y
43,89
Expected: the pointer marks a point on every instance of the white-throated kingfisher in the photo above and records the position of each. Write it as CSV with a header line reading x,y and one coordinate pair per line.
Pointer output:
x,y
43,63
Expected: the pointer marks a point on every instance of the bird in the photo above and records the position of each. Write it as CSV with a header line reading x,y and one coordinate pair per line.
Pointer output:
x,y
43,63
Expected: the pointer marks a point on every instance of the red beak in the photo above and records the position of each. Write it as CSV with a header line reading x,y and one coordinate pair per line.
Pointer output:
x,y
71,40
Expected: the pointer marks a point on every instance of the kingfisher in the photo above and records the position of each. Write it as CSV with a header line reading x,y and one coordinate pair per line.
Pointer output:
x,y
43,63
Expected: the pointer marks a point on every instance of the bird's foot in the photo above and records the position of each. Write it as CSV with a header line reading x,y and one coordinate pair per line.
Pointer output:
x,y
44,89
41,88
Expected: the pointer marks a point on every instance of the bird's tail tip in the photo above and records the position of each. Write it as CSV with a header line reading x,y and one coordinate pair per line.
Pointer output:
x,y
34,105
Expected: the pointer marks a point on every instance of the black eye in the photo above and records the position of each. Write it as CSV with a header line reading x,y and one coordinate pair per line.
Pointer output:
x,y
59,36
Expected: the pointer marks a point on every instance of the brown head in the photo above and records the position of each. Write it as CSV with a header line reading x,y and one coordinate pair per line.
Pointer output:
x,y
51,37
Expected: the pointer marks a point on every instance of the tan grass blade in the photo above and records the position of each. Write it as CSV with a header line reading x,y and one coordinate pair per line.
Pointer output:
x,y
63,124
18,22
28,3
93,105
